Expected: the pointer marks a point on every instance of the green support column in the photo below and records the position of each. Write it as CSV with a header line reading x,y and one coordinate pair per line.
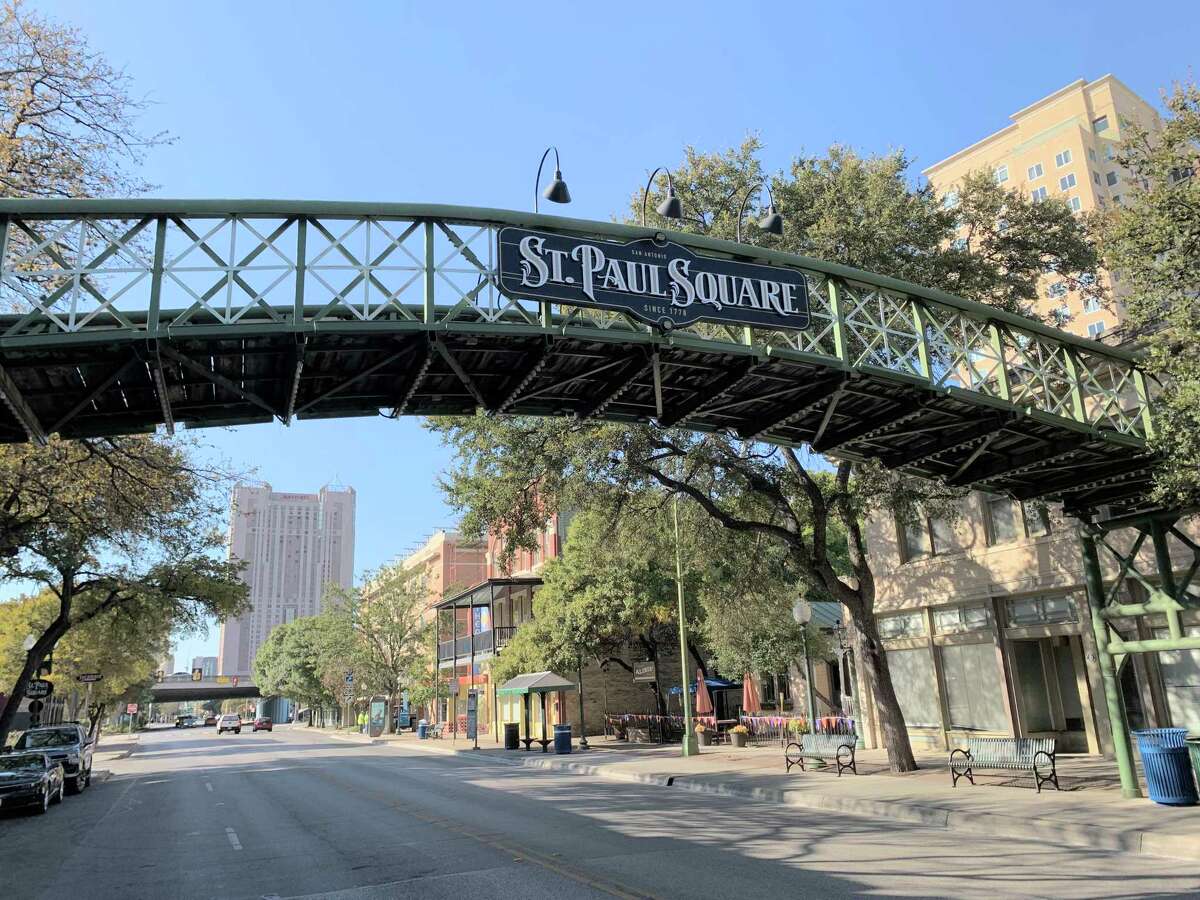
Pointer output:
x,y
1108,671
690,746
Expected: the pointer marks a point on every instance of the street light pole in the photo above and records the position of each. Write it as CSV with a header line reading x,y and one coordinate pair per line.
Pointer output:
x,y
690,747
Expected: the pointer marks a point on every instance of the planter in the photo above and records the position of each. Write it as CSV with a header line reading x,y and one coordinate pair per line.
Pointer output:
x,y
704,738
738,740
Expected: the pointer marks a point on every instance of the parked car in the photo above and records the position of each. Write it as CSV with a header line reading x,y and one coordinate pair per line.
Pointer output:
x,y
229,722
67,744
184,721
210,720
30,779
263,723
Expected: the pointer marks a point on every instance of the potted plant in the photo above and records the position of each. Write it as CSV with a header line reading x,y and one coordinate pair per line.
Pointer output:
x,y
703,735
738,734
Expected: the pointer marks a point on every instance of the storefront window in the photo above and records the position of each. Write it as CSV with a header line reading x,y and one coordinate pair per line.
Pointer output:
x,y
973,689
958,619
916,686
903,625
1041,610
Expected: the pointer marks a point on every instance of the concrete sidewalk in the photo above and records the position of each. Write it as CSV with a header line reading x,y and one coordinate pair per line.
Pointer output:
x,y
1089,812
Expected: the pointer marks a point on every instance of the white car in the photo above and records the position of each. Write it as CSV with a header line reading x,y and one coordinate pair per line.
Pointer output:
x,y
229,723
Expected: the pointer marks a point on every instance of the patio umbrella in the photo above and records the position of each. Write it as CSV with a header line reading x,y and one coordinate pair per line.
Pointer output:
x,y
704,704
751,703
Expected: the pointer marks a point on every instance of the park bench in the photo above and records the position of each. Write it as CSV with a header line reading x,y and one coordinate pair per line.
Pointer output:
x,y
826,747
1033,755
433,731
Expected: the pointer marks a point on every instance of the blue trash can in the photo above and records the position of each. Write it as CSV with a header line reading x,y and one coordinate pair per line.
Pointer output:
x,y
1168,769
422,728
562,739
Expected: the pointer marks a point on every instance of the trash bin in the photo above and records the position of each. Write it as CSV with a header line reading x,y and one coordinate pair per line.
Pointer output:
x,y
1168,770
562,738
512,736
422,730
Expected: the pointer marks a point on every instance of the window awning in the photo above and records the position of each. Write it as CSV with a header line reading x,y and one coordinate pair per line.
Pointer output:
x,y
535,683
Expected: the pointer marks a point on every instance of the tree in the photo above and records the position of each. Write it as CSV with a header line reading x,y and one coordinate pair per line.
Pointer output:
x,y
854,210
294,659
391,648
1153,241
68,119
132,527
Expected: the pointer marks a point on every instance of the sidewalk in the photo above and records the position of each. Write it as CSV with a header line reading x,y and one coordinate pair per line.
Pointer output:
x,y
1089,811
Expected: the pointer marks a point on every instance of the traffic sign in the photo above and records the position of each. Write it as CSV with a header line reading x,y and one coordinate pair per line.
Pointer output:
x,y
158,675
235,680
197,674
89,677
131,709
348,693
349,677
39,688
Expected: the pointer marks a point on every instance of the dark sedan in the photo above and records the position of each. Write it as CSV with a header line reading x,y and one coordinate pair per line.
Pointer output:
x,y
66,743
30,779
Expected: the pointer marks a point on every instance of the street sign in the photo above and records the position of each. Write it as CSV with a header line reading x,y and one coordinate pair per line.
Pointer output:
x,y
131,709
89,677
235,680
348,692
472,715
197,674
349,677
158,675
39,688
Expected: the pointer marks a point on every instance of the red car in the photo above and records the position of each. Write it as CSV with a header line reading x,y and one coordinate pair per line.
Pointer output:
x,y
263,723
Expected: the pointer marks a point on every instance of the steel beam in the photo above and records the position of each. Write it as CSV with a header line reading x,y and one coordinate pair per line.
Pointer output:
x,y
874,425
92,395
614,389
160,386
457,369
1049,453
711,392
297,367
527,375
820,392
356,377
982,431
218,379
21,410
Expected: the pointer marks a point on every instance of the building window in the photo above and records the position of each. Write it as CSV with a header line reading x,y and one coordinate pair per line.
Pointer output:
x,y
1001,174
915,539
1001,226
1062,314
942,533
769,695
916,686
960,619
1092,154
1039,195
909,624
1062,159
1041,610
1004,525
973,690
1117,199
1095,330
1057,289
959,244
1075,203
1037,521
1100,125
1066,182
1111,178
1035,171
1091,304
1096,177
950,200
1109,152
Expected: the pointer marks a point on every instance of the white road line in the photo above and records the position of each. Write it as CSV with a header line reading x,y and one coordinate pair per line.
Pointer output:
x,y
233,839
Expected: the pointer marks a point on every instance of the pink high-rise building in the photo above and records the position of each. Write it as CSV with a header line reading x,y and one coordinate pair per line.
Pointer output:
x,y
293,545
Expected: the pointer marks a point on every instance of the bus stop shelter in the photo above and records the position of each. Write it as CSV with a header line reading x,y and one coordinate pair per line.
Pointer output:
x,y
541,684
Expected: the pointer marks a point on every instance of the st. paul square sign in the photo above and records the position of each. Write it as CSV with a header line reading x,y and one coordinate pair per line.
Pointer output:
x,y
659,283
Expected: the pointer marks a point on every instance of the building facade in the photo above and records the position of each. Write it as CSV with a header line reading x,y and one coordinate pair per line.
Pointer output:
x,y
1064,145
293,545
984,615
448,563
206,664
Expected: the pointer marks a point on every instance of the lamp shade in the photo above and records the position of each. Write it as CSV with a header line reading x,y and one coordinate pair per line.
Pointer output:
x,y
772,222
671,208
802,612
556,191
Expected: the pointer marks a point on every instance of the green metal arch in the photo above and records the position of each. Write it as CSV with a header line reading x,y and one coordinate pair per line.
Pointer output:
x,y
126,315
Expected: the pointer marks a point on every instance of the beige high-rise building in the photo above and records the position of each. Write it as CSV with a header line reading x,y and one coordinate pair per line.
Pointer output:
x,y
1064,146
294,545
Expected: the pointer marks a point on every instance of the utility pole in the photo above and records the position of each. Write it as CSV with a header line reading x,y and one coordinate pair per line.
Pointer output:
x,y
690,747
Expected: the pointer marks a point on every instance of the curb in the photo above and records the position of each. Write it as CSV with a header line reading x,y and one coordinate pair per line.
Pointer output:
x,y
1091,837
351,739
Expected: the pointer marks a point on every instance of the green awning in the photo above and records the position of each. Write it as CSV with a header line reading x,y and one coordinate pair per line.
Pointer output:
x,y
535,683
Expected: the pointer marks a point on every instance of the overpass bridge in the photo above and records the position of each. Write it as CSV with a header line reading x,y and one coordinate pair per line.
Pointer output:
x,y
178,688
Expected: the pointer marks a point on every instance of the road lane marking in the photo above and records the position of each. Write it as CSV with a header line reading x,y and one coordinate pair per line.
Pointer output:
x,y
233,839
209,786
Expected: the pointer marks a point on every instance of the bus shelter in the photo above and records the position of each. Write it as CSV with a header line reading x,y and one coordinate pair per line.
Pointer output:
x,y
539,684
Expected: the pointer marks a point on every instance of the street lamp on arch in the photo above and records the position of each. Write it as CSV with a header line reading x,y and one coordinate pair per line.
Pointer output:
x,y
671,207
556,191
772,222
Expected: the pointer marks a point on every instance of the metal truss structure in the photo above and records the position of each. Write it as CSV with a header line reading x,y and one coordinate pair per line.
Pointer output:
x,y
124,315
1167,591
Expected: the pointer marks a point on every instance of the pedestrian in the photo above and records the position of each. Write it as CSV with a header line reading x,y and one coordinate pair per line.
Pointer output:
x,y
362,722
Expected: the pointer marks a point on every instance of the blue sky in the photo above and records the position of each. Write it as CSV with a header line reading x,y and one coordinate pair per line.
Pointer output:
x,y
454,103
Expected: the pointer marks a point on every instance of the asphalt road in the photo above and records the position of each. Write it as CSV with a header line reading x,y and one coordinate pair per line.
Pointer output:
x,y
297,814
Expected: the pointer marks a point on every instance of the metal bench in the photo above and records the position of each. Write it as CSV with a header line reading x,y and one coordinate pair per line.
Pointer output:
x,y
434,731
1034,755
825,747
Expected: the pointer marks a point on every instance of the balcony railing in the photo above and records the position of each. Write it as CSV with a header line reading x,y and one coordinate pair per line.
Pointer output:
x,y
493,640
